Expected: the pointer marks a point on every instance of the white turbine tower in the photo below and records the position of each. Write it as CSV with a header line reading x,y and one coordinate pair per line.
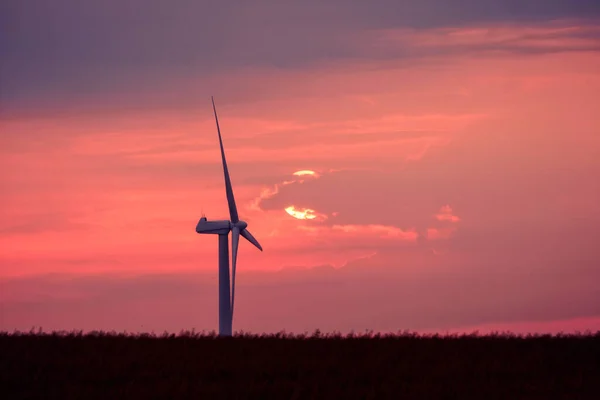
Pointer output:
x,y
222,228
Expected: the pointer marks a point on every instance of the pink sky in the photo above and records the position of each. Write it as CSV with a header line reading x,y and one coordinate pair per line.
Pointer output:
x,y
455,186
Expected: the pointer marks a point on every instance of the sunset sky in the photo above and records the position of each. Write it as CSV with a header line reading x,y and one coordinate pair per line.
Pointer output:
x,y
427,165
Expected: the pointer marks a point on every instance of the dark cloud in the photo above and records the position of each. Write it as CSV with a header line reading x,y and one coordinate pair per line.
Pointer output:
x,y
71,50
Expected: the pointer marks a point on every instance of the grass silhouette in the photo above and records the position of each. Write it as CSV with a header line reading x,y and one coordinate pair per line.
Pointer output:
x,y
111,365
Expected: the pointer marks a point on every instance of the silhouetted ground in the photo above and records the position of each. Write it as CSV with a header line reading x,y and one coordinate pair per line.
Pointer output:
x,y
406,366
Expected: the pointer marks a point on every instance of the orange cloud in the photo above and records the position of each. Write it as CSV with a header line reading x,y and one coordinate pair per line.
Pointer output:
x,y
370,230
382,231
445,214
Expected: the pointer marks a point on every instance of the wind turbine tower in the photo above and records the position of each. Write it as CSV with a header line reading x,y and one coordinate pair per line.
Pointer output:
x,y
222,228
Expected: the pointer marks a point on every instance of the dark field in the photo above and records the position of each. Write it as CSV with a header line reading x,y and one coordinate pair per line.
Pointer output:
x,y
405,366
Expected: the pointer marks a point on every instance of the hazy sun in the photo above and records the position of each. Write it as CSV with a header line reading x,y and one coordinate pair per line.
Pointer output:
x,y
306,213
306,172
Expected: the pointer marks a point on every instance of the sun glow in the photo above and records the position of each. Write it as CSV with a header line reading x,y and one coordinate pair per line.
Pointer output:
x,y
306,172
305,213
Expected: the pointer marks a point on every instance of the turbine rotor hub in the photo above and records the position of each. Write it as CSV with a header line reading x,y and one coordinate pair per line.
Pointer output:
x,y
240,224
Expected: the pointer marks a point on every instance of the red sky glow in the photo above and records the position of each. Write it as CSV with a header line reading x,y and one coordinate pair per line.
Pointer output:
x,y
435,175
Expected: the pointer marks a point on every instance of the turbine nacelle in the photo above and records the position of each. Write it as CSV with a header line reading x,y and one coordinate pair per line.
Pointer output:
x,y
222,227
207,227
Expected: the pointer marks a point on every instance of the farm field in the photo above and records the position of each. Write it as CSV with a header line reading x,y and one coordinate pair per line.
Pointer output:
x,y
102,365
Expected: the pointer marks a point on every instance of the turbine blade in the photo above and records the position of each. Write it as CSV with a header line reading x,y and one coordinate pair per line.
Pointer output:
x,y
235,240
248,236
233,214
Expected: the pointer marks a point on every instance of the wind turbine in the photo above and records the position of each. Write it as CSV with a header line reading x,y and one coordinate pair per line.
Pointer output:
x,y
222,228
